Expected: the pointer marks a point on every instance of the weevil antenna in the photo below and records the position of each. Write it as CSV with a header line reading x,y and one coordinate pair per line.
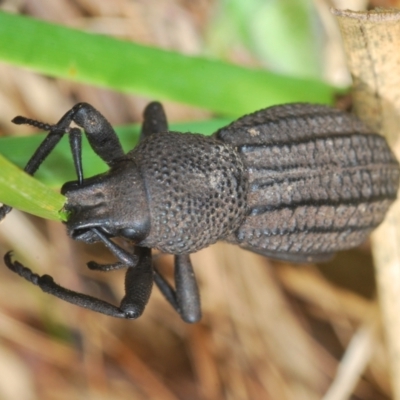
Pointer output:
x,y
27,121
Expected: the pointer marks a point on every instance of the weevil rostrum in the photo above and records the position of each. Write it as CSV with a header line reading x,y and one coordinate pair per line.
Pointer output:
x,y
296,182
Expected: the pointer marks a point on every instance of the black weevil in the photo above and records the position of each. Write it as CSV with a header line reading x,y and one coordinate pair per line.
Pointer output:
x,y
296,182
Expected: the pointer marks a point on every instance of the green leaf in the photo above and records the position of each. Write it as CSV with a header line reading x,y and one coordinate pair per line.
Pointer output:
x,y
100,60
27,194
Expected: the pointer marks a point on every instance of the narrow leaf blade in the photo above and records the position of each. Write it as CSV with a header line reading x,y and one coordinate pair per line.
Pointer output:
x,y
105,61
21,191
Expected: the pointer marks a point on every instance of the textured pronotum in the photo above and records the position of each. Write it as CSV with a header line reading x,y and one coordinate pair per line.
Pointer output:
x,y
196,188
319,180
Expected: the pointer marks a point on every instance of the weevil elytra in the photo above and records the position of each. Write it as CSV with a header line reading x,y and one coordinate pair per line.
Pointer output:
x,y
297,182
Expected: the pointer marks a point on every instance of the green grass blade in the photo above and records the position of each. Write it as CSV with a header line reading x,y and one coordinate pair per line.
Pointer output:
x,y
27,194
100,60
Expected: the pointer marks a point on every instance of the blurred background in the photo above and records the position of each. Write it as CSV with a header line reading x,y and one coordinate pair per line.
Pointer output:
x,y
270,330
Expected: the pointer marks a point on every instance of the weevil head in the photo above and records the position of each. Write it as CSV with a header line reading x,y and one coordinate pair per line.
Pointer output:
x,y
115,201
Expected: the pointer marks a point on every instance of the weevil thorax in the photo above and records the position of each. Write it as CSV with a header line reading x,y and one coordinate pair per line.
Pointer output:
x,y
115,201
196,188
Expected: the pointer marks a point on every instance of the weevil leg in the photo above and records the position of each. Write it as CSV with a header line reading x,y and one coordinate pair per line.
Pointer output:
x,y
55,134
41,153
101,135
185,299
187,291
154,120
99,132
166,289
75,142
94,266
125,258
138,285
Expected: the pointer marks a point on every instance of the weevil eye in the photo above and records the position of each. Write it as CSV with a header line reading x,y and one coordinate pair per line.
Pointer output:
x,y
128,233
136,233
